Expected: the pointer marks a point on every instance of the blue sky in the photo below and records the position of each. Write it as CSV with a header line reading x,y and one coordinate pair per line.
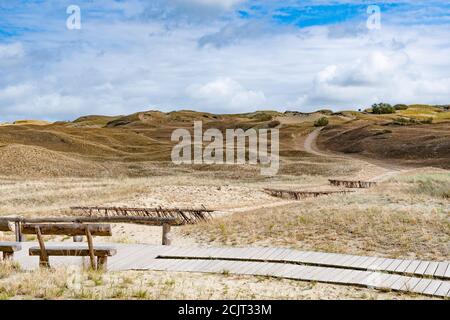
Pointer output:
x,y
219,56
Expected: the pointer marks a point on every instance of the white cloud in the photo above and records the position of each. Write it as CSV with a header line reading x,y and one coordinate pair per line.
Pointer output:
x,y
121,67
11,51
226,4
226,93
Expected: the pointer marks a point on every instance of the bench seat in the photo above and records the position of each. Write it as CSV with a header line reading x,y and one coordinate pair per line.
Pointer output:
x,y
8,249
10,246
80,250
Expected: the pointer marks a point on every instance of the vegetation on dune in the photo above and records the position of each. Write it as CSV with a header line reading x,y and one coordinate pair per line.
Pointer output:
x,y
401,107
435,185
382,108
321,122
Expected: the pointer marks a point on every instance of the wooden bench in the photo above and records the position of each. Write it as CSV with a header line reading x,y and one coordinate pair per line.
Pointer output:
x,y
8,248
101,252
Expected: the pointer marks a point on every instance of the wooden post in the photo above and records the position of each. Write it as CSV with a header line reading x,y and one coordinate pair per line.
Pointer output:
x,y
91,247
43,258
8,255
18,231
102,263
166,235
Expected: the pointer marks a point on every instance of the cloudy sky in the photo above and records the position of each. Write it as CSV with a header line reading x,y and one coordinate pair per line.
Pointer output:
x,y
221,56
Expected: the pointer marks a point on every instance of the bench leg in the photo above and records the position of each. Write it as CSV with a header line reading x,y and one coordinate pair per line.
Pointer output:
x,y
102,263
166,235
8,255
44,263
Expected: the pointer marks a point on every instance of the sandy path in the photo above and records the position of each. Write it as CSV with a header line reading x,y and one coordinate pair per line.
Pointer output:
x,y
383,170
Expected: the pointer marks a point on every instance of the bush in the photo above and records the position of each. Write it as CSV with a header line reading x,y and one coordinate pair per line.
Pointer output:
x,y
401,107
322,122
382,108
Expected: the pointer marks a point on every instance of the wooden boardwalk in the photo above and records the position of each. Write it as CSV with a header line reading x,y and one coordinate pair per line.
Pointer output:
x,y
413,276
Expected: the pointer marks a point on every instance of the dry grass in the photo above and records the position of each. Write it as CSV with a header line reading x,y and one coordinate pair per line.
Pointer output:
x,y
388,221
76,284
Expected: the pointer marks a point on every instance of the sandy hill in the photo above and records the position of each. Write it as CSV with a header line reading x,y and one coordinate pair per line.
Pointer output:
x,y
131,144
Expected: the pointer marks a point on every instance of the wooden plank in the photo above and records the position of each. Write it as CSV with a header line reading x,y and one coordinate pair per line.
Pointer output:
x,y
312,272
447,273
335,274
301,272
385,264
264,268
252,267
318,274
272,256
361,277
326,275
376,265
261,253
374,279
349,262
6,226
440,271
403,266
394,265
279,256
218,266
400,283
421,285
73,229
236,266
347,277
268,255
331,257
284,268
254,253
443,290
388,281
273,268
10,246
367,263
412,267
422,267
431,269
359,261
123,256
297,255
432,287
410,284
340,261
153,221
74,251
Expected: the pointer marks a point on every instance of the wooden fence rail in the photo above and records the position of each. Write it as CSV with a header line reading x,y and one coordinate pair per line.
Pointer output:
x,y
352,184
297,195
165,223
184,215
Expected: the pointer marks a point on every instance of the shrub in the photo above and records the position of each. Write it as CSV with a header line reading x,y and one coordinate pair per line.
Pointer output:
x,y
382,108
322,122
427,121
401,107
